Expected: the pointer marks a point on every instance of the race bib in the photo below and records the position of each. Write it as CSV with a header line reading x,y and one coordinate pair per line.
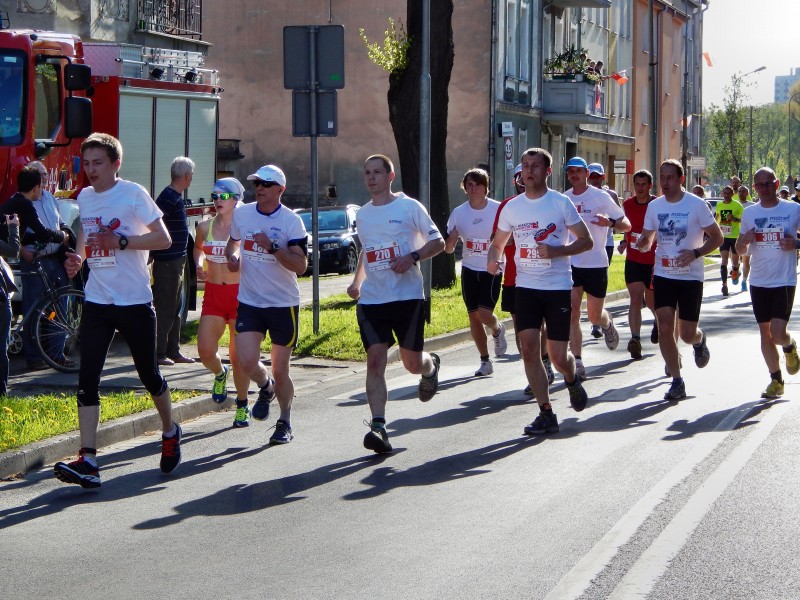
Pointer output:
x,y
477,247
252,250
671,266
726,229
635,235
100,259
379,257
215,252
529,259
769,238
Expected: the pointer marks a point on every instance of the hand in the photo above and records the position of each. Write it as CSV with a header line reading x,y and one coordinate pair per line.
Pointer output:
x,y
686,257
201,273
788,243
602,221
748,237
622,245
546,251
12,220
495,266
401,264
102,239
263,240
233,264
72,264
354,290
65,241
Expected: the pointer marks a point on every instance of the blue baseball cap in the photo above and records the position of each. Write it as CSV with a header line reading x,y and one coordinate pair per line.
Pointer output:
x,y
576,161
597,168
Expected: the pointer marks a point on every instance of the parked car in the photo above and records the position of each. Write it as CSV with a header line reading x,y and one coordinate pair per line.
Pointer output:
x,y
712,203
339,245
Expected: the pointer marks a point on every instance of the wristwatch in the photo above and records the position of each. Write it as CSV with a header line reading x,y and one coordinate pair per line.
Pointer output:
x,y
274,248
415,256
123,242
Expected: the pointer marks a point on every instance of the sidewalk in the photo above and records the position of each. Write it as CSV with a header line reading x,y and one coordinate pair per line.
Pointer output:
x,y
119,373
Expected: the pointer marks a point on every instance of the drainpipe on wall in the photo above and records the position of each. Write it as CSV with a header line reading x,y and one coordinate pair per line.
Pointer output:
x,y
493,100
652,116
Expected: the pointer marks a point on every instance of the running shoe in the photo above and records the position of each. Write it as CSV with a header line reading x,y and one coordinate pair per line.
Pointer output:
x,y
792,360
282,433
596,332
377,439
580,370
265,396
680,366
171,451
774,390
677,391
701,353
635,348
744,285
219,392
500,342
82,472
428,385
735,276
242,418
544,423
611,335
548,367
654,334
577,395
485,369
724,290
528,391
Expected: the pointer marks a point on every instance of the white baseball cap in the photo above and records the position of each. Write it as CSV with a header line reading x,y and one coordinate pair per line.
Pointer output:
x,y
269,173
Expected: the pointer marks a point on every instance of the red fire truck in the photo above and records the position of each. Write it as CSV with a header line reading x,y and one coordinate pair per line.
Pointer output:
x,y
56,89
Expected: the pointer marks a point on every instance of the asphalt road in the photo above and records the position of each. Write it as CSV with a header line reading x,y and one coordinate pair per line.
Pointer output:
x,y
636,497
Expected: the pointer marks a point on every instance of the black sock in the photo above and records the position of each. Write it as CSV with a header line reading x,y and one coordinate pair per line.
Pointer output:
x,y
723,271
379,422
90,451
677,380
241,403
545,357
636,336
789,348
546,408
777,376
484,358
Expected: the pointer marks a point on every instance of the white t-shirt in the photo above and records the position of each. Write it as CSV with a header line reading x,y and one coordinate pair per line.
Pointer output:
x,y
118,276
474,229
263,281
540,221
589,204
389,231
678,226
769,265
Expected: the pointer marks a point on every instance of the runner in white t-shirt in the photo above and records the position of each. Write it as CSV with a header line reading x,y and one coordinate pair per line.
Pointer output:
x,y
541,221
267,245
678,221
472,223
396,233
120,224
769,230
590,269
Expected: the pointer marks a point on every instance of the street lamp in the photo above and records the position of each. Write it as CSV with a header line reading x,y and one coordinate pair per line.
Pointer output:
x,y
790,132
750,161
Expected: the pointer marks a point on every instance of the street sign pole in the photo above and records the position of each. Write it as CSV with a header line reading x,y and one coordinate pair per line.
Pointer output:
x,y
314,85
425,141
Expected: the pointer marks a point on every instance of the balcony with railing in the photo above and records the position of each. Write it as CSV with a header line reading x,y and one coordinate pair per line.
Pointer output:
x,y
573,100
180,18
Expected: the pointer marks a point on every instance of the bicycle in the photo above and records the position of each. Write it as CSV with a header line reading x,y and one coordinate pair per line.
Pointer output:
x,y
55,317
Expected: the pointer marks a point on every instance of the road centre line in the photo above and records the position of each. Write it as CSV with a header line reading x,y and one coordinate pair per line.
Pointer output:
x,y
580,577
651,566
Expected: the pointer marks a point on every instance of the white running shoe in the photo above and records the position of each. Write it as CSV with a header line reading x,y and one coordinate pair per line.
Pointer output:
x,y
611,335
500,342
580,370
485,369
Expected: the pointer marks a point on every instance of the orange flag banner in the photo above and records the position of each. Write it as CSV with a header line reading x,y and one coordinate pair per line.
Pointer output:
x,y
707,56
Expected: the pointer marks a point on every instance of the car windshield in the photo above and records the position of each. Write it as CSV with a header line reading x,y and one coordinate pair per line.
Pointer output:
x,y
329,220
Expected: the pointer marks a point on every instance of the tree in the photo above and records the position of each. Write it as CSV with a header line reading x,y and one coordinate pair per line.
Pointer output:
x,y
404,115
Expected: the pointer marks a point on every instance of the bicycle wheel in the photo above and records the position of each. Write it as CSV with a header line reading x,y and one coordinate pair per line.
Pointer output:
x,y
55,328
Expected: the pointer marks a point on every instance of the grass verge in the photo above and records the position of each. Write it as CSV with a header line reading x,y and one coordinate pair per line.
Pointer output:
x,y
28,419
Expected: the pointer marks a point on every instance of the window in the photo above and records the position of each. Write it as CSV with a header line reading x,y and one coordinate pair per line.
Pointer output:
x,y
12,69
48,101
511,38
518,52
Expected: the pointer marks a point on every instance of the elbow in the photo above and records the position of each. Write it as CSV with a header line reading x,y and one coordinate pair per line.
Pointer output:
x,y
166,242
439,246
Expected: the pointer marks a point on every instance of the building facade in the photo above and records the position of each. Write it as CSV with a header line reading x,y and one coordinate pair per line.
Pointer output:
x,y
783,85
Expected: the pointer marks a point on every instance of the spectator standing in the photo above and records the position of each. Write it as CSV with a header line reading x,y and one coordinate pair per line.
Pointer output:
x,y
9,248
169,264
120,224
35,235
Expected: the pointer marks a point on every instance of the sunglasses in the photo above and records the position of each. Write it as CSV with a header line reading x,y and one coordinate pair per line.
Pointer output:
x,y
264,184
766,184
224,196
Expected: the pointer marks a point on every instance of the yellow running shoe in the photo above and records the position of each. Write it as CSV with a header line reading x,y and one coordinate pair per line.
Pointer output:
x,y
774,390
792,360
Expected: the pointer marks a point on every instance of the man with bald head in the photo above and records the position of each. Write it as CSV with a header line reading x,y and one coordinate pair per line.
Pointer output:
x,y
769,229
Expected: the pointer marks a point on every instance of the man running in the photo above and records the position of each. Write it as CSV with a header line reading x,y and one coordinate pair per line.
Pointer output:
x,y
590,269
638,265
396,234
744,200
273,253
769,229
472,223
541,221
677,221
728,214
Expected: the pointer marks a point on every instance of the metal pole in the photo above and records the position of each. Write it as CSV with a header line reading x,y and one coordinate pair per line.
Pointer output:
x,y
314,85
425,131
653,97
750,159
